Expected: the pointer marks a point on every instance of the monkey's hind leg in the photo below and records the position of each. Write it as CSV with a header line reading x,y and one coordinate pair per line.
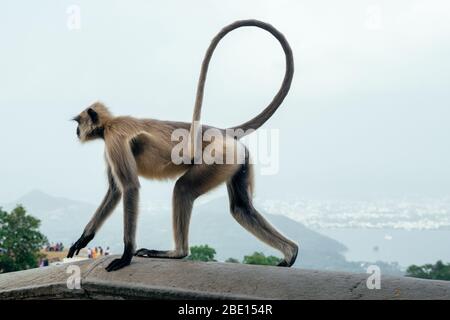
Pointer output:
x,y
240,194
198,180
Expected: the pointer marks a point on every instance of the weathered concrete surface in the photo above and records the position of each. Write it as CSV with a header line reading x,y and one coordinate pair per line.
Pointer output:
x,y
182,279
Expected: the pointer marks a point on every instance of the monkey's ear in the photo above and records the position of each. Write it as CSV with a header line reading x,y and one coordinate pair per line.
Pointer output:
x,y
94,116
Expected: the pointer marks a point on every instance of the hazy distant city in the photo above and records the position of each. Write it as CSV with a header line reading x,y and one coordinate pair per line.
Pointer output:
x,y
419,213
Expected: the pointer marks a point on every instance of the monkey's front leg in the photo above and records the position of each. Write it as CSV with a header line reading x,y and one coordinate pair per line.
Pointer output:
x,y
109,202
130,205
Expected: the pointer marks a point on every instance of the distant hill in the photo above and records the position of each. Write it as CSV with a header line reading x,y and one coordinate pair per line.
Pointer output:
x,y
213,224
63,220
60,217
47,204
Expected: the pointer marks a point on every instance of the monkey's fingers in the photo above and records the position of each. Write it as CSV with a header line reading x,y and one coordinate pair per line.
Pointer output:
x,y
143,252
163,254
71,252
117,264
283,263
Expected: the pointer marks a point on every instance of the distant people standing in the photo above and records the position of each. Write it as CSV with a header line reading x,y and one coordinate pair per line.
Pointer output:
x,y
89,253
107,251
101,251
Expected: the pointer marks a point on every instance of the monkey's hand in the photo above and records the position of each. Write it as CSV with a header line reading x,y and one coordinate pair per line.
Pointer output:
x,y
117,264
80,244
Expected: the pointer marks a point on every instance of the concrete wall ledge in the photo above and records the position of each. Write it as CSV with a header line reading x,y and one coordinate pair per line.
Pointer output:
x,y
182,279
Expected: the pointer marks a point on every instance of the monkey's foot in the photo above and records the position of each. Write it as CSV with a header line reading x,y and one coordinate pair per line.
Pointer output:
x,y
285,263
80,244
166,254
117,264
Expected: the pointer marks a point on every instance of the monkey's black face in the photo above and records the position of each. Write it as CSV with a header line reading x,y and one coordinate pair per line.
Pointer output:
x,y
89,127
77,119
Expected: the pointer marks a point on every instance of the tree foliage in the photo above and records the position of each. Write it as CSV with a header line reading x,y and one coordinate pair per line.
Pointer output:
x,y
202,253
206,253
20,240
437,271
261,259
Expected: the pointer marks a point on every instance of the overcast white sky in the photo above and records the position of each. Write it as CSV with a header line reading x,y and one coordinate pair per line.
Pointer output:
x,y
368,113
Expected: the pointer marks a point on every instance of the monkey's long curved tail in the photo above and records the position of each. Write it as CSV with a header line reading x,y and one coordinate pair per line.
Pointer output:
x,y
261,118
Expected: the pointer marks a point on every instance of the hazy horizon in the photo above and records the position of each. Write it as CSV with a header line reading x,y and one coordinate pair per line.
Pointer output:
x,y
369,231
367,114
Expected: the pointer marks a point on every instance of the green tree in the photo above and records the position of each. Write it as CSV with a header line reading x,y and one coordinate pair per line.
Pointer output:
x,y
260,258
232,260
437,271
202,253
20,240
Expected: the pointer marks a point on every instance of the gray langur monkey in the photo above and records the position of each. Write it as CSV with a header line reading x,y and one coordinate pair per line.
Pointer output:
x,y
142,147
